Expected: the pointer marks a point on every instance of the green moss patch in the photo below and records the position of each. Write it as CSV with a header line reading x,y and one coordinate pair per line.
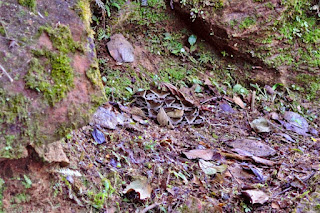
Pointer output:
x,y
50,72
2,31
31,4
61,39
53,80
311,84
14,116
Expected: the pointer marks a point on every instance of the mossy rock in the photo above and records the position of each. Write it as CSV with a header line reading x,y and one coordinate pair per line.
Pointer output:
x,y
280,39
47,54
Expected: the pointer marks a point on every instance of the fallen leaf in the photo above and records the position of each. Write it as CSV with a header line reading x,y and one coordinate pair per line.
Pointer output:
x,y
138,112
263,161
257,172
256,196
260,125
296,123
140,186
254,147
98,136
106,118
163,119
254,158
211,169
205,154
238,101
287,137
226,107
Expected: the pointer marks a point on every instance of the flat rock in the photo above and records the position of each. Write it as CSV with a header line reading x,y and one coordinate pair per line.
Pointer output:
x,y
53,153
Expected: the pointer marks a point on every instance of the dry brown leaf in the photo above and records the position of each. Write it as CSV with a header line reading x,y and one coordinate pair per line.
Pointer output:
x,y
263,161
253,147
140,186
137,111
238,101
205,154
210,168
256,196
163,119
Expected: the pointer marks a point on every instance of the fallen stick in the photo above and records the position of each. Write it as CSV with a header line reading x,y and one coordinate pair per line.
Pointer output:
x,y
7,74
150,207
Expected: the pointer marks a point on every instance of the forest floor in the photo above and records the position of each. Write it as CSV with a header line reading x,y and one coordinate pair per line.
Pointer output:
x,y
254,148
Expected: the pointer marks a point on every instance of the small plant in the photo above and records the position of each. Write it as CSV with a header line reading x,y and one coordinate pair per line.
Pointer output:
x,y
149,145
98,200
238,88
27,182
21,198
224,53
31,4
246,23
192,40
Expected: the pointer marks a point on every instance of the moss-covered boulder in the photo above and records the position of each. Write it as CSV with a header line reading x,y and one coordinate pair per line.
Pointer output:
x,y
49,80
280,39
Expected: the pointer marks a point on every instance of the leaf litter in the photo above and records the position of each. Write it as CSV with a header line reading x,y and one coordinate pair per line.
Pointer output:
x,y
223,160
219,164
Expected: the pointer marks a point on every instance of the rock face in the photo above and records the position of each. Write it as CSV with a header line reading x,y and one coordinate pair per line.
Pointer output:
x,y
279,39
47,50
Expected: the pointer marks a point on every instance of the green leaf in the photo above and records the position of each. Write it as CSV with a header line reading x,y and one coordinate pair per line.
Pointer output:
x,y
198,89
27,182
276,86
108,10
129,89
240,89
116,5
192,39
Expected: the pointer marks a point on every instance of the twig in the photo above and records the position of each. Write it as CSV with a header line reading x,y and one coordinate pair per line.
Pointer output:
x,y
149,207
253,99
7,74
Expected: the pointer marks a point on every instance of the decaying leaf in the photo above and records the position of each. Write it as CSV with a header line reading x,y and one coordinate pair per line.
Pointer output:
x,y
254,158
260,125
211,169
256,196
205,154
98,136
163,119
263,161
254,147
140,186
104,117
238,101
296,123
138,112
